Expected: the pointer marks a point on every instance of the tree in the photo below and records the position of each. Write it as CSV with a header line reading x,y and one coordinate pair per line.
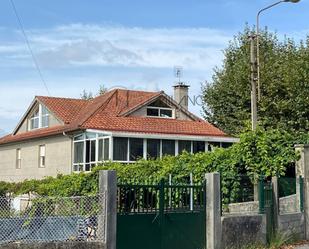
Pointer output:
x,y
284,85
89,95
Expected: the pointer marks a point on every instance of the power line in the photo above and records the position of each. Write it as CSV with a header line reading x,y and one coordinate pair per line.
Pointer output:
x,y
29,47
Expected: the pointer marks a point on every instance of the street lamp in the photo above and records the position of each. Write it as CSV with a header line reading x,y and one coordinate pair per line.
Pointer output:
x,y
255,63
258,41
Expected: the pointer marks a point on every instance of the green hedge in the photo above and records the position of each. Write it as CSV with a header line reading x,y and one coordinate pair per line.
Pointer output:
x,y
261,152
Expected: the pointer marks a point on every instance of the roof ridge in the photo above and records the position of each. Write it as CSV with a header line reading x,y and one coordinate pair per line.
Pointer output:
x,y
98,108
157,94
67,98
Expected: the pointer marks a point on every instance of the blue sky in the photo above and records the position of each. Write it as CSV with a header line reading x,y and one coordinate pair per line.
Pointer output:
x,y
135,44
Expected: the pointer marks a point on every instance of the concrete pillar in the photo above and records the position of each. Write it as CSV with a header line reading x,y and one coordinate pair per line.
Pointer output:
x,y
302,169
108,221
275,201
213,211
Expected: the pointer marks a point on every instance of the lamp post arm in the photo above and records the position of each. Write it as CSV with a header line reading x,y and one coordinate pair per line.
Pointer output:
x,y
258,43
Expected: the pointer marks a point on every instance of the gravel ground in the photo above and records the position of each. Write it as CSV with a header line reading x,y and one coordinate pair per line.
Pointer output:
x,y
300,245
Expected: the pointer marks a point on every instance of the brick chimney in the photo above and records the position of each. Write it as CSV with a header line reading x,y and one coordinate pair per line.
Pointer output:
x,y
181,94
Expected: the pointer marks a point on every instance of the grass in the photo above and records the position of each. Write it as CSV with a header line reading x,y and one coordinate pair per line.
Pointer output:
x,y
278,241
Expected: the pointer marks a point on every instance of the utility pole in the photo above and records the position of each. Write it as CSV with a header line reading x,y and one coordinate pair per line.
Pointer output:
x,y
253,62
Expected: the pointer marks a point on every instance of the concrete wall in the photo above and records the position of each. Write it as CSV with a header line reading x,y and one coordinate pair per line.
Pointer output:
x,y
251,207
238,231
58,159
292,224
62,245
289,204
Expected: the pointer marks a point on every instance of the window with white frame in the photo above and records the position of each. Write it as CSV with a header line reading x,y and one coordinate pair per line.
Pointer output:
x,y
168,147
153,148
159,109
136,149
42,156
89,149
159,112
103,149
34,120
39,118
184,145
213,145
18,158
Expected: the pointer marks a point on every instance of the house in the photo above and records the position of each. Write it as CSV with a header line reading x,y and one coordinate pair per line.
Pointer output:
x,y
63,135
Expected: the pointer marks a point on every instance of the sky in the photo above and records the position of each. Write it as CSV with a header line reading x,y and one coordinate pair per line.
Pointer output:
x,y
135,44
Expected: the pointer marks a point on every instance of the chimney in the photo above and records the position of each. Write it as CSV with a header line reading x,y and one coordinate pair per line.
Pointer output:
x,y
181,94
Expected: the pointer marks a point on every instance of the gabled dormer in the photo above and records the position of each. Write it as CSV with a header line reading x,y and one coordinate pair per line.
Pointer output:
x,y
38,116
160,109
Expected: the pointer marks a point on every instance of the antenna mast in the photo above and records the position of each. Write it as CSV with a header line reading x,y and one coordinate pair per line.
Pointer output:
x,y
178,73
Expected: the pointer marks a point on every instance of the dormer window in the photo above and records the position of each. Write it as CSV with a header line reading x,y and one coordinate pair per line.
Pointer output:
x,y
159,109
39,118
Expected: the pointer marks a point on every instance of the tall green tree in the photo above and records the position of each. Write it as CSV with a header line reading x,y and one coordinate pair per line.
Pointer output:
x,y
284,79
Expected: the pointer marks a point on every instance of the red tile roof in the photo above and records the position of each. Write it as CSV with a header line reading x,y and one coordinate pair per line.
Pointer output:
x,y
64,108
107,112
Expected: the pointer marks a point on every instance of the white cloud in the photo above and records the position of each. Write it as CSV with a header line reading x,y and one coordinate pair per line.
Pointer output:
x,y
84,45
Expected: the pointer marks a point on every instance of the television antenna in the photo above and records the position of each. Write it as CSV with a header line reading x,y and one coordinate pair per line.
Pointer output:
x,y
178,72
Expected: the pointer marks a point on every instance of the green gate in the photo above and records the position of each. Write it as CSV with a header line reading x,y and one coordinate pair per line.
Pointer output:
x,y
161,216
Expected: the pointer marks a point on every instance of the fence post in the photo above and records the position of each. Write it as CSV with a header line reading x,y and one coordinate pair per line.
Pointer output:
x,y
213,211
275,188
261,198
302,169
108,186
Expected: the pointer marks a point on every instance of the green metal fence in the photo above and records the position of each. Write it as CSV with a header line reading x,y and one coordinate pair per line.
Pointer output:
x,y
301,193
236,189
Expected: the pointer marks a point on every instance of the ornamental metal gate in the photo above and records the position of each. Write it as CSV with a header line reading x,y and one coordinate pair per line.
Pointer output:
x,y
161,216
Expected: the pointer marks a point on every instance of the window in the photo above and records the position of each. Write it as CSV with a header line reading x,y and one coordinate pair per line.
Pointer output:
x,y
85,154
226,145
213,145
90,154
136,148
198,146
40,118
153,112
45,117
120,148
168,147
18,159
103,153
159,112
42,156
34,120
153,148
165,113
184,145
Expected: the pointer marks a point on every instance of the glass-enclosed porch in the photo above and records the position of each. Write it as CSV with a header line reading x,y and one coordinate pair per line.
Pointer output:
x,y
92,148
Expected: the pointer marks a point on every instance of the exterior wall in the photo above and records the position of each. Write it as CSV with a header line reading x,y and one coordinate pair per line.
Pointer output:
x,y
238,231
243,207
142,112
292,225
58,159
289,204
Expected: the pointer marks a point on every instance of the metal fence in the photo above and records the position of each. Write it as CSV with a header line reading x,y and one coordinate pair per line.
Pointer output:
x,y
237,195
52,219
139,198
